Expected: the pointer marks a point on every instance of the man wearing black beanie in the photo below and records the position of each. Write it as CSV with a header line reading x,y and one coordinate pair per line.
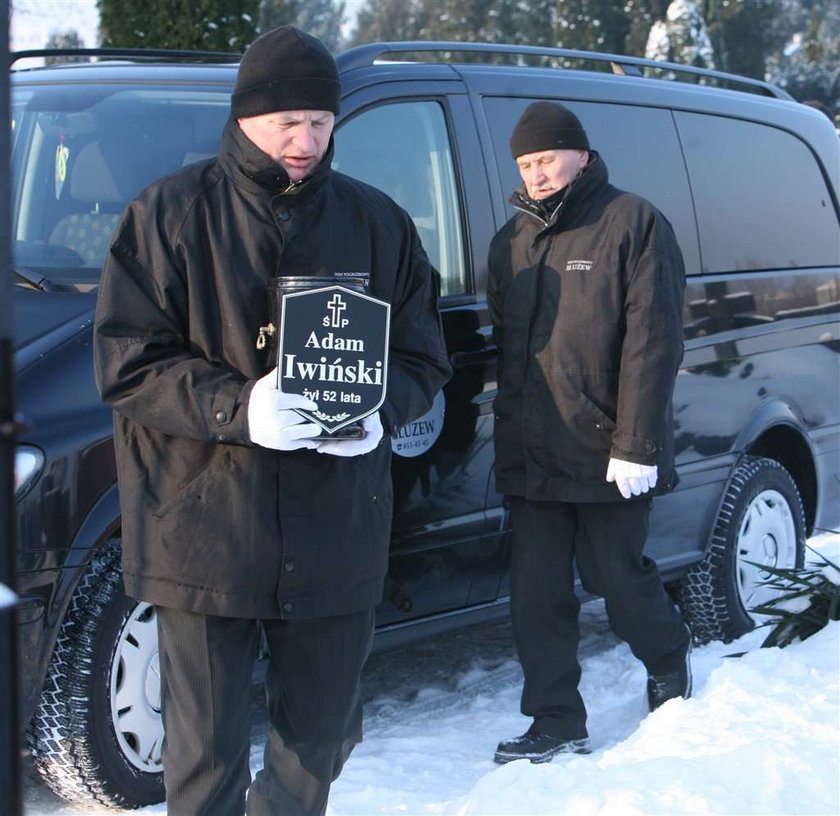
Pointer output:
x,y
239,527
585,293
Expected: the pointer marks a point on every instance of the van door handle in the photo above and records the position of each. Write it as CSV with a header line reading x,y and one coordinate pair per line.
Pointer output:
x,y
459,359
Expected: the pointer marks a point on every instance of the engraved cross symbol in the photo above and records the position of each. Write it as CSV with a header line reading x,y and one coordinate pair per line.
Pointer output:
x,y
336,306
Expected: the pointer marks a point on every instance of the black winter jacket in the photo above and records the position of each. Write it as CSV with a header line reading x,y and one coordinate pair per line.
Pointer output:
x,y
211,522
586,304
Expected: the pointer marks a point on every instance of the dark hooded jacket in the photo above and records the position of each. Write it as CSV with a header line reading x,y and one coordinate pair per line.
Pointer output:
x,y
586,302
211,522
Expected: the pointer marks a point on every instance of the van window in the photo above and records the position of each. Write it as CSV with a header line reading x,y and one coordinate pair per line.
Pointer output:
x,y
761,200
81,153
17,106
403,149
641,150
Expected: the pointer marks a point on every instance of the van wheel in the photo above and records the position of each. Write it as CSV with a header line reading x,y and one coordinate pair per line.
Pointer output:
x,y
761,521
97,733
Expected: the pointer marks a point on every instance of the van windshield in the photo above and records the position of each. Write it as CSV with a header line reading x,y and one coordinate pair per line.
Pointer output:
x,y
80,153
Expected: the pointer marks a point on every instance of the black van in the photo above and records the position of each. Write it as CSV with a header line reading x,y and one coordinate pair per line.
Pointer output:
x,y
749,179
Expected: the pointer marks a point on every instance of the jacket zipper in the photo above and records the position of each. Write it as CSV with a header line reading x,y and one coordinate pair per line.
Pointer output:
x,y
541,220
270,330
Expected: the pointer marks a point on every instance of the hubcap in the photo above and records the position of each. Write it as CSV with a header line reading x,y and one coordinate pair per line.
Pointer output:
x,y
135,691
768,538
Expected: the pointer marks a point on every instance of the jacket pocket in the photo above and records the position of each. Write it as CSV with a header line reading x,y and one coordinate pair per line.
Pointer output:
x,y
197,489
600,420
592,430
202,536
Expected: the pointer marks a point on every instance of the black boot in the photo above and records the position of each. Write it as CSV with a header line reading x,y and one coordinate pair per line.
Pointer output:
x,y
539,747
668,685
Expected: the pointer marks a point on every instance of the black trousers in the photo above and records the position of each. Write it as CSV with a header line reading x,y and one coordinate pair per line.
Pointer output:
x,y
606,540
314,710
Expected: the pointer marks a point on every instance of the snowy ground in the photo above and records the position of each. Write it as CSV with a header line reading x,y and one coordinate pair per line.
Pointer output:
x,y
760,736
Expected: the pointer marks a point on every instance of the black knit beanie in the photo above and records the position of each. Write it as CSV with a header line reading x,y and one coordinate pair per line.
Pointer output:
x,y
285,69
547,126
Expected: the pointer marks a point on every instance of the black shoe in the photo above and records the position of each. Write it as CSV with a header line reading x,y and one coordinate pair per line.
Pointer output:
x,y
667,686
539,747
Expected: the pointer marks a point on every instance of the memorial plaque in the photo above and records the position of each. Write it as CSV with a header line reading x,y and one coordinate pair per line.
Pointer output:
x,y
333,349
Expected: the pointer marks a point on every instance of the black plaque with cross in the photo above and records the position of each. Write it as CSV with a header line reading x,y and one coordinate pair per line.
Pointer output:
x,y
333,349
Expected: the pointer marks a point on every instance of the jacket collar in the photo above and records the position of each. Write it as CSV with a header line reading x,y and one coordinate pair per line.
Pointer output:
x,y
249,167
570,202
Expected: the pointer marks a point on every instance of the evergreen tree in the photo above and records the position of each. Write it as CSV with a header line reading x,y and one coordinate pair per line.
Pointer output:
x,y
65,39
323,19
208,25
465,21
743,33
320,18
770,39
519,22
681,37
592,25
528,22
641,15
808,67
390,20
275,13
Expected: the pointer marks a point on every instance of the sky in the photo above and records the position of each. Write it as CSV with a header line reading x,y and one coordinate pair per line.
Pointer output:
x,y
34,20
760,735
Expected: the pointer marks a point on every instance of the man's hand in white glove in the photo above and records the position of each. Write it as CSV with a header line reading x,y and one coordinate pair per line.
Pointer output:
x,y
355,447
631,479
271,421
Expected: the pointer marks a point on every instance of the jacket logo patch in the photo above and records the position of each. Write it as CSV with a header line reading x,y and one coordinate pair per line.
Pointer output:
x,y
578,266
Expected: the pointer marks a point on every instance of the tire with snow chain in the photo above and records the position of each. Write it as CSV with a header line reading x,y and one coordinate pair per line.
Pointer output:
x,y
96,734
761,521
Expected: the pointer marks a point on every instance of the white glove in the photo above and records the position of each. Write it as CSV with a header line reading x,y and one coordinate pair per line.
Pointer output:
x,y
631,479
272,423
355,447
